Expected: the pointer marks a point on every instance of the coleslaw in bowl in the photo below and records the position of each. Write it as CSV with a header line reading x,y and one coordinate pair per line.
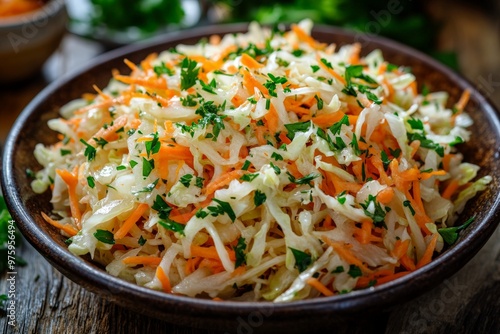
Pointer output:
x,y
325,145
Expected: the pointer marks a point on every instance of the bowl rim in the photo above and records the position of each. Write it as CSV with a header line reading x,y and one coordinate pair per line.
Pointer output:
x,y
99,280
47,10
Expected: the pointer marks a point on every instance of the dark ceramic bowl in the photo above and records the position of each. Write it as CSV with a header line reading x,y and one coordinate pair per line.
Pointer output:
x,y
26,206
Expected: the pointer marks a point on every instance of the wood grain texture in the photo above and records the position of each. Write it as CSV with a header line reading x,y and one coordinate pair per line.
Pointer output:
x,y
468,302
48,302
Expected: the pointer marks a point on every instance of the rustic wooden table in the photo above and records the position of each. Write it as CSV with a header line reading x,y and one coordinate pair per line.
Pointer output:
x,y
468,302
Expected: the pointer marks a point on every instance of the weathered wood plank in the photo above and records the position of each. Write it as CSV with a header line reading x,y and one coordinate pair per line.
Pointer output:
x,y
465,303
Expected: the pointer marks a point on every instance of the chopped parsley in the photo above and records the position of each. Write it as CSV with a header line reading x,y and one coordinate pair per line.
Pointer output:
x,y
209,87
249,177
189,73
189,101
141,241
65,152
319,102
246,165
239,252
354,271
259,198
408,205
91,181
90,150
105,237
153,146
147,166
302,259
271,84
222,208
100,142
185,180
338,270
378,214
293,128
172,226
276,156
335,128
163,69
303,180
162,207
147,189
450,234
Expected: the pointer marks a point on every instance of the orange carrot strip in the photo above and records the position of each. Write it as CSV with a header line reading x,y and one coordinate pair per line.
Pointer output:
x,y
346,254
272,119
354,58
131,220
239,271
71,181
428,175
400,248
165,282
389,278
463,100
407,263
70,230
144,260
223,180
210,252
319,286
386,195
131,65
450,189
250,62
427,257
304,37
327,120
330,70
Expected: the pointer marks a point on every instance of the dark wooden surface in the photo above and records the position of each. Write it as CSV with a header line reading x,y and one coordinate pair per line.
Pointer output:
x,y
468,302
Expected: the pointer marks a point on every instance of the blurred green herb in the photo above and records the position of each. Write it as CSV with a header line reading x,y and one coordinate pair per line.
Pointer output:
x,y
147,15
405,21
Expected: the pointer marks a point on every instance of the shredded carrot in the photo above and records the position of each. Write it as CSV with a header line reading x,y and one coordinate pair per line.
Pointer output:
x,y
400,248
210,252
427,257
389,278
71,181
408,263
223,180
343,251
304,37
386,195
68,229
330,70
144,260
250,62
131,220
463,100
450,189
319,286
163,278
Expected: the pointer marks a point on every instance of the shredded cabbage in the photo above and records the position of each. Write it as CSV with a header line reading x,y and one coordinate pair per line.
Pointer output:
x,y
259,166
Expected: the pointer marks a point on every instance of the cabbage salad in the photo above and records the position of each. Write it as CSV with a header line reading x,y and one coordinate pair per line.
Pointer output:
x,y
259,166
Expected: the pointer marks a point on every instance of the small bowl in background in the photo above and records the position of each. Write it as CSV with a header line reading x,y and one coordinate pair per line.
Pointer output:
x,y
27,40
